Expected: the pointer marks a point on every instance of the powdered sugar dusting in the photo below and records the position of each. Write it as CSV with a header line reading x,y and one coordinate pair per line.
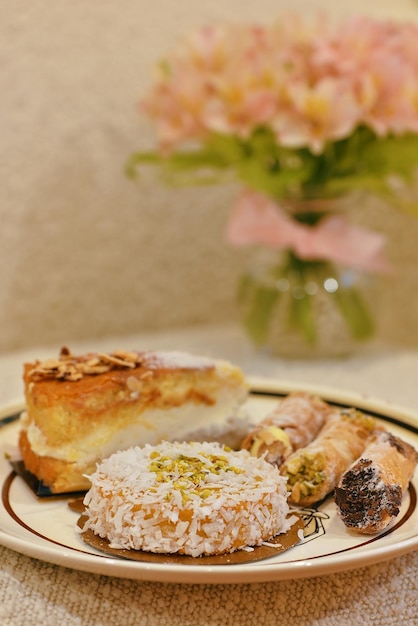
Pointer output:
x,y
174,360
364,500
190,498
370,492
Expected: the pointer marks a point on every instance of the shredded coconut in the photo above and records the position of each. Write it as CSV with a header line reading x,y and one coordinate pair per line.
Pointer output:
x,y
190,498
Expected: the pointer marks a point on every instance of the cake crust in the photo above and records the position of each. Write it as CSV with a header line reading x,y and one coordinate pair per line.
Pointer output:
x,y
59,476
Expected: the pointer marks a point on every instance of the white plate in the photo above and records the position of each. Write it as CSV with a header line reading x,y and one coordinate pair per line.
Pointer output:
x,y
44,528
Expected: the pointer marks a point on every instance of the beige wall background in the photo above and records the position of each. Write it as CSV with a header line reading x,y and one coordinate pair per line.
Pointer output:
x,y
86,253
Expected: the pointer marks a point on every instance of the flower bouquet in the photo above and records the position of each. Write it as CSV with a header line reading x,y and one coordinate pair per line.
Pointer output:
x,y
301,113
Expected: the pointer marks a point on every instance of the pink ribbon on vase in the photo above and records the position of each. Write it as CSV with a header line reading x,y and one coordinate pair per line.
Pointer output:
x,y
256,219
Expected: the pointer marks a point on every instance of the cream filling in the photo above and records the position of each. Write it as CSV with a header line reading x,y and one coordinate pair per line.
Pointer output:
x,y
152,426
269,435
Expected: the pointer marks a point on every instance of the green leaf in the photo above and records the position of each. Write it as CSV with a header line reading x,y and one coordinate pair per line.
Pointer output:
x,y
228,148
363,161
140,158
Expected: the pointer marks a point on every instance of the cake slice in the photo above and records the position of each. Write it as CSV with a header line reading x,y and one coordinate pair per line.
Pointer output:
x,y
81,409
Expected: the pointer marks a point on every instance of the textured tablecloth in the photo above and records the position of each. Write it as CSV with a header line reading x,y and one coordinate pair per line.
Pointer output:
x,y
35,592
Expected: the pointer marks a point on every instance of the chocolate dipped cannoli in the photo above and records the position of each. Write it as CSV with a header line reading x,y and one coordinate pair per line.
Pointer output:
x,y
369,494
313,471
292,424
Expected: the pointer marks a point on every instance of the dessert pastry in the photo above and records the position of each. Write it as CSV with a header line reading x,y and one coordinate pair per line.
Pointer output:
x,y
369,494
81,409
293,423
313,471
186,498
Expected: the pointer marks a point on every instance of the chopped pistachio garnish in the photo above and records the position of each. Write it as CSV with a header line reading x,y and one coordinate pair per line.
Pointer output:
x,y
367,421
189,473
304,473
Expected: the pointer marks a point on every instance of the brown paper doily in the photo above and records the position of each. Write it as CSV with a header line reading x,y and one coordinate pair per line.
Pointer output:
x,y
275,546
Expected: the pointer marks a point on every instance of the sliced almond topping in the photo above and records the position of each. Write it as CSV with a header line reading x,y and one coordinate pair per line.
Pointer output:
x,y
71,368
110,358
93,369
131,357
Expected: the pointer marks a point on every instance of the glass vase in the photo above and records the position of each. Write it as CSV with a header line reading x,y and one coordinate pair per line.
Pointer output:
x,y
295,308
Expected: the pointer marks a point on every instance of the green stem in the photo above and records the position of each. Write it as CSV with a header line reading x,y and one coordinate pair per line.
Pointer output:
x,y
260,302
259,298
355,312
303,318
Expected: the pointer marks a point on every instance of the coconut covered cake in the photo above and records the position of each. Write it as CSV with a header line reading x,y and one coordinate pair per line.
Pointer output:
x,y
186,498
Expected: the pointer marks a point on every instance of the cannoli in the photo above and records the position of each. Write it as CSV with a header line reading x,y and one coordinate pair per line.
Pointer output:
x,y
293,423
313,471
369,494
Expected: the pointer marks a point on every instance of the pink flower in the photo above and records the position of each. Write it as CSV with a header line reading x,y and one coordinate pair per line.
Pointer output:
x,y
258,220
317,114
379,59
221,79
274,105
308,80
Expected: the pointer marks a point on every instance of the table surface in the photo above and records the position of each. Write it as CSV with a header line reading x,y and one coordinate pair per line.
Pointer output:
x,y
32,591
